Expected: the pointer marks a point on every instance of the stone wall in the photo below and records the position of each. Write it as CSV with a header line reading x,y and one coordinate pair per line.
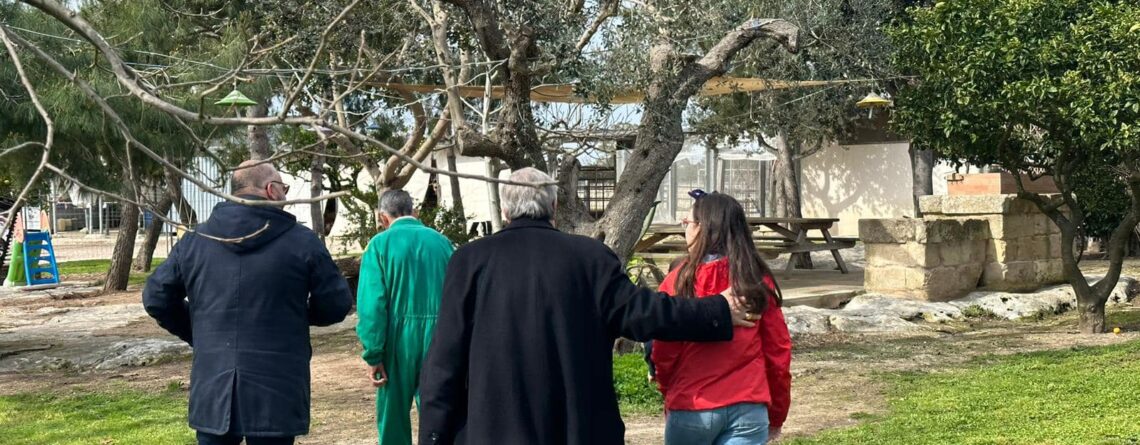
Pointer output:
x,y
933,260
1024,252
996,242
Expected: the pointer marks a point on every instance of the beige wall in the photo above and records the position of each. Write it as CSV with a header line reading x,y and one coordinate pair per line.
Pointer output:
x,y
475,198
858,181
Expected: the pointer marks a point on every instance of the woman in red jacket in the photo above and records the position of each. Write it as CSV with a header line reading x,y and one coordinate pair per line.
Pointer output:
x,y
728,393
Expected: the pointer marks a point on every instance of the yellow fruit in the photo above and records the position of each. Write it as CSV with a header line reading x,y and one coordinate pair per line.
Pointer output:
x,y
1116,331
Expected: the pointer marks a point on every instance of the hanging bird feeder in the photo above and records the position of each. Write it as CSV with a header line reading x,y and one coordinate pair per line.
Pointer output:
x,y
873,101
236,99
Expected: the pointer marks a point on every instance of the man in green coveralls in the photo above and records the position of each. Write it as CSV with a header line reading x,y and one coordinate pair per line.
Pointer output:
x,y
401,280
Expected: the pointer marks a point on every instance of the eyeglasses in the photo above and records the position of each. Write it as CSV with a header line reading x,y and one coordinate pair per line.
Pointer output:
x,y
686,222
284,186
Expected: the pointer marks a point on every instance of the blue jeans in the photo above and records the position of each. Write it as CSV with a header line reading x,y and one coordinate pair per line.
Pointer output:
x,y
740,424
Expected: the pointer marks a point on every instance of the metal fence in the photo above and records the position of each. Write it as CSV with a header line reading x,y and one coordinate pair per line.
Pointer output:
x,y
86,227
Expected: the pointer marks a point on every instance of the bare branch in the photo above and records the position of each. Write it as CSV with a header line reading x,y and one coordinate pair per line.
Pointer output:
x,y
126,132
715,61
19,147
49,139
125,77
159,215
605,12
427,146
316,56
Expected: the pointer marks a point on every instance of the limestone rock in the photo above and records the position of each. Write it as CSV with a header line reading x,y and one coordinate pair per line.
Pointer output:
x,y
843,321
142,353
911,310
1014,306
807,320
1124,293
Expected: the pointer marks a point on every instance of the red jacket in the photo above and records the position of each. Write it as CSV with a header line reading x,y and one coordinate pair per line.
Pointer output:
x,y
752,368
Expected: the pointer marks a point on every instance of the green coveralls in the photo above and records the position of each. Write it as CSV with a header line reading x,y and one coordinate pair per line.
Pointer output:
x,y
401,280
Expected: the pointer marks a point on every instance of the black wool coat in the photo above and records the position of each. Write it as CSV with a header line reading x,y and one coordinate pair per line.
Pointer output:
x,y
522,352
245,307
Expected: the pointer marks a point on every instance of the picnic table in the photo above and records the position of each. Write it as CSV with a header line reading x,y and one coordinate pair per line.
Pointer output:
x,y
772,236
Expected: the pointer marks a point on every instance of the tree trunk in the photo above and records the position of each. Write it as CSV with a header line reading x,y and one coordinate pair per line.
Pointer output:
x,y
786,199
1092,317
120,271
922,169
316,186
150,240
675,78
456,195
329,217
493,196
659,140
785,181
572,214
257,135
186,214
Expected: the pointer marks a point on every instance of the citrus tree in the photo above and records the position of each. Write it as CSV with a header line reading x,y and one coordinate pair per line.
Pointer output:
x,y
1038,87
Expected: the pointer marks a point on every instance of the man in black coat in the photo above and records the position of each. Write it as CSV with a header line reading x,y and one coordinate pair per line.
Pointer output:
x,y
522,352
243,291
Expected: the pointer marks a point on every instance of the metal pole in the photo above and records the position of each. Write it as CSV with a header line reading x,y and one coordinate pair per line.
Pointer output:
x,y
101,216
52,223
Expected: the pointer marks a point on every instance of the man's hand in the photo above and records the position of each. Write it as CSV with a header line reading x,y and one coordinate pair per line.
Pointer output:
x,y
773,434
377,375
740,316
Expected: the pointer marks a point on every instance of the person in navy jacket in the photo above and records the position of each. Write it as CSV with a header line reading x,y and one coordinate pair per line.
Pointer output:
x,y
242,291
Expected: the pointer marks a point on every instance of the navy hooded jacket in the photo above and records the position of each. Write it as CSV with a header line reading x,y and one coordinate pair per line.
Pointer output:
x,y
245,305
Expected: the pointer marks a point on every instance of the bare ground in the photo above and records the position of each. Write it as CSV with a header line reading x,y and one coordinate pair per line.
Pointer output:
x,y
835,377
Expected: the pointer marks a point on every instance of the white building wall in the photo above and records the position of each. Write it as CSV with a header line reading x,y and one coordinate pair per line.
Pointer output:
x,y
858,181
476,200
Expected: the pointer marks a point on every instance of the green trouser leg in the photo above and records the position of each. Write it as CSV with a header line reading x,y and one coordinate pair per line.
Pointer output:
x,y
402,363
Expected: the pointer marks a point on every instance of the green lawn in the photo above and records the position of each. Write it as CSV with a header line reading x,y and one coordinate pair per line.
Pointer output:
x,y
99,267
105,418
1076,396
635,393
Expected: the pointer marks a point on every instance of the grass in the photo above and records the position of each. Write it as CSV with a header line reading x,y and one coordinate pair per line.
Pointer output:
x,y
635,393
1075,396
100,267
125,416
114,417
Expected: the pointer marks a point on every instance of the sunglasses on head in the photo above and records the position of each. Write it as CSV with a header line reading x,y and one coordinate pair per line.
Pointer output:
x,y
697,193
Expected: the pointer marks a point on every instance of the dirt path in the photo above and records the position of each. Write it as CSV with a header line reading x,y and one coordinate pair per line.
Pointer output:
x,y
834,385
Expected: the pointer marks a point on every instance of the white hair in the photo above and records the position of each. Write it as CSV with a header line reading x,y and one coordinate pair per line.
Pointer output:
x,y
521,201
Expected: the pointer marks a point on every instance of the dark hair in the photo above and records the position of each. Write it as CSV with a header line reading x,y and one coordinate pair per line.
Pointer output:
x,y
725,231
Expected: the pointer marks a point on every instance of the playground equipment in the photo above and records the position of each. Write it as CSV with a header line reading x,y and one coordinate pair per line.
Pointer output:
x,y
40,268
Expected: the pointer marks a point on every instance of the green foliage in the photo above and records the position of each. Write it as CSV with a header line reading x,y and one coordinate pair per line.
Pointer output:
x,y
975,311
116,416
842,39
1038,398
87,143
449,221
1032,86
635,393
1023,83
1104,198
362,224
